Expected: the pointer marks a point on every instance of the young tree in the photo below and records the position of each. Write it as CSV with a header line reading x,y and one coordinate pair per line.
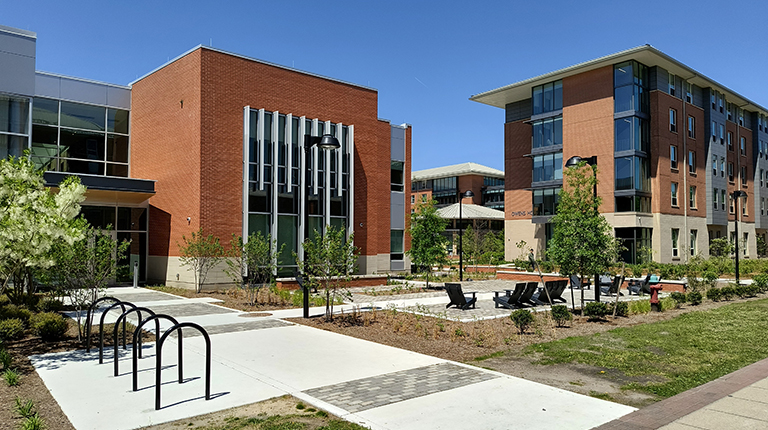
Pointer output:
x,y
493,248
471,243
32,220
582,242
428,245
251,264
329,260
200,253
83,270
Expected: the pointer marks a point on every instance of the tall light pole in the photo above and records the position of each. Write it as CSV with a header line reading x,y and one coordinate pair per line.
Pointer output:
x,y
737,217
326,142
468,193
592,162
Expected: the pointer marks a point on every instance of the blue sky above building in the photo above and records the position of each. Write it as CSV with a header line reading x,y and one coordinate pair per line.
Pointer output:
x,y
426,58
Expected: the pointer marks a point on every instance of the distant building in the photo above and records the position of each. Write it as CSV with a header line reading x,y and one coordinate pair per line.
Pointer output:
x,y
671,145
444,184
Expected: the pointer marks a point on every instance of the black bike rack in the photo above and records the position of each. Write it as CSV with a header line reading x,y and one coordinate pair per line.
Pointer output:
x,y
101,327
122,317
88,321
137,341
159,355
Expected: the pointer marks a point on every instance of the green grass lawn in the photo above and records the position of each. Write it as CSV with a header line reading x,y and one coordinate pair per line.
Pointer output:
x,y
684,352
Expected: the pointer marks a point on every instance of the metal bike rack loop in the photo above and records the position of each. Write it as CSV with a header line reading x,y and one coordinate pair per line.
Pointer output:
x,y
158,379
89,316
136,352
123,317
101,327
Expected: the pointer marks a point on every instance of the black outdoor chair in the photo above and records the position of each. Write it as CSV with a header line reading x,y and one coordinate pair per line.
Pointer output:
x,y
614,288
576,282
555,288
458,298
530,289
510,299
640,287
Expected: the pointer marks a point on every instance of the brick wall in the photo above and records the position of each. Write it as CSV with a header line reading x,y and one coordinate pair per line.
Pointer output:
x,y
518,169
474,183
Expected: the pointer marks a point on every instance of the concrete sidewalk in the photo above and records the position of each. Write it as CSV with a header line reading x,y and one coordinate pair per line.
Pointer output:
x,y
254,359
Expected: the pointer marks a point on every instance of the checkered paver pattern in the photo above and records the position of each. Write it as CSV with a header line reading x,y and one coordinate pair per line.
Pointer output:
x,y
368,393
187,309
238,327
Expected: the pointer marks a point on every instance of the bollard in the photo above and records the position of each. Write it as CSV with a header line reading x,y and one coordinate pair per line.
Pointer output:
x,y
135,274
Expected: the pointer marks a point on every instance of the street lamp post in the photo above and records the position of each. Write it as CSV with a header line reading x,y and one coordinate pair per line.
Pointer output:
x,y
326,142
592,162
735,196
468,193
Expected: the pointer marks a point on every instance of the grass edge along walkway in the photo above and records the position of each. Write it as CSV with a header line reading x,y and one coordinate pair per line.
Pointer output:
x,y
674,355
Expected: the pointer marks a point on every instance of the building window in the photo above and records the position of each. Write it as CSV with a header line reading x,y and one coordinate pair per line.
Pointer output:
x,y
545,201
689,92
741,116
722,167
673,120
762,206
761,177
674,194
744,206
671,84
630,80
730,111
548,132
745,245
691,161
731,208
713,99
715,195
396,247
396,176
714,165
631,134
743,145
730,172
722,133
632,173
714,130
720,102
548,97
423,198
633,204
548,167
692,197
730,141
673,156
675,240
413,199
722,199
743,175
694,235
691,127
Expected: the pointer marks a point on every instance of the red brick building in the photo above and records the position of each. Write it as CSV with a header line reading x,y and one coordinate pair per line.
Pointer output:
x,y
671,148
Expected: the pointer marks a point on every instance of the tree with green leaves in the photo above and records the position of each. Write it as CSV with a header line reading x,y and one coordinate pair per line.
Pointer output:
x,y
472,243
428,244
582,240
329,261
251,264
492,248
32,220
200,253
83,270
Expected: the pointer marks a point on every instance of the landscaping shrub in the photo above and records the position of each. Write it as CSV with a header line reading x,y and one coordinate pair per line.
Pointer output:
x,y
596,310
622,309
679,298
561,314
11,329
728,292
12,377
546,266
760,282
49,326
639,307
15,312
5,359
714,294
24,408
694,298
49,304
667,303
523,318
4,300
35,422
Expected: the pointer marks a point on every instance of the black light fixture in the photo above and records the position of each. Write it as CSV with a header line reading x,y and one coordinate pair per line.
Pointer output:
x,y
467,193
735,196
325,142
592,162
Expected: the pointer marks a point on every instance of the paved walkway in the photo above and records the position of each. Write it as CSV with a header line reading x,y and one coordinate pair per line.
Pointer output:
x,y
254,359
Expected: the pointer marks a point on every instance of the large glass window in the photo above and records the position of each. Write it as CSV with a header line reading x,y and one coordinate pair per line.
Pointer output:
x,y
548,132
636,242
14,125
675,240
396,248
632,133
632,173
547,97
548,167
630,80
397,178
633,204
545,201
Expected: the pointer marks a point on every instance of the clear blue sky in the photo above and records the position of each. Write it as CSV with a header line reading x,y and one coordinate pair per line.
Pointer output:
x,y
426,58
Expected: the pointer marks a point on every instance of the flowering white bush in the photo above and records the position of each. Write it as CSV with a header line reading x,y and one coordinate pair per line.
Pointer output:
x,y
33,218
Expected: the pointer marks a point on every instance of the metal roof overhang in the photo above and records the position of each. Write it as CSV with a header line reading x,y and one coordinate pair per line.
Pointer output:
x,y
105,189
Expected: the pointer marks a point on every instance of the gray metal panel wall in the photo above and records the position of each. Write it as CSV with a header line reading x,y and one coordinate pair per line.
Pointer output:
x,y
397,142
397,211
518,110
17,63
657,79
714,147
700,96
62,87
